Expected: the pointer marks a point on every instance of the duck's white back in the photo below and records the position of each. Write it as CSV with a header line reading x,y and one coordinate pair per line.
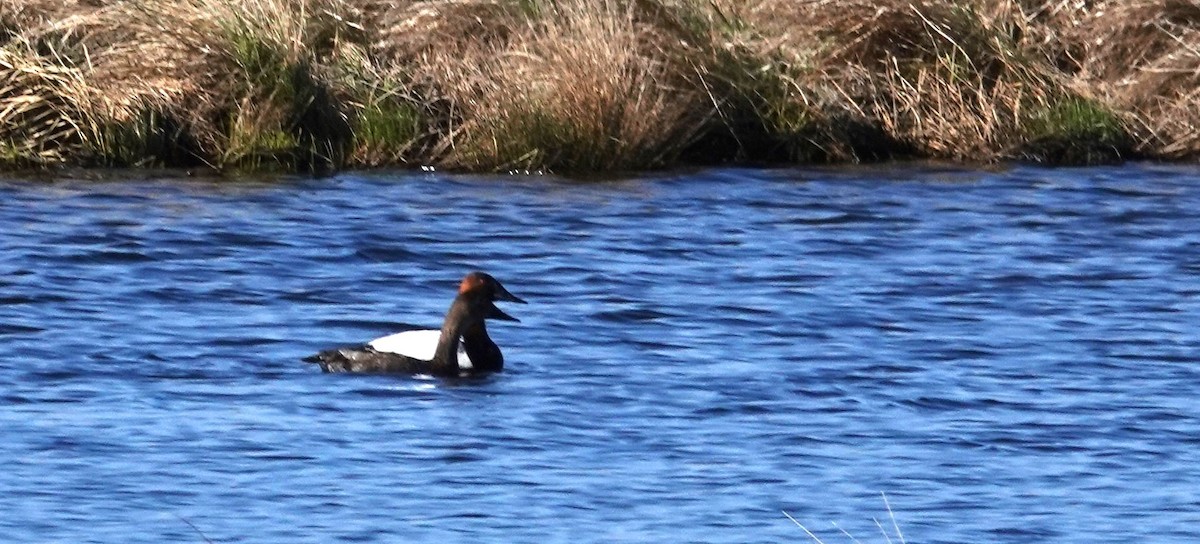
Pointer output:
x,y
419,344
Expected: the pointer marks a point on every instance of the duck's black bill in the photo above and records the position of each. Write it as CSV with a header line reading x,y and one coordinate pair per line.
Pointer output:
x,y
503,294
499,315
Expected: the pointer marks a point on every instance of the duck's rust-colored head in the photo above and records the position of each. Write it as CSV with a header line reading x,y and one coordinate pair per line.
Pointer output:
x,y
486,289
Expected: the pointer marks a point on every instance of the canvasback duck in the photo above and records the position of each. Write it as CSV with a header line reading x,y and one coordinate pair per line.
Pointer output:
x,y
461,348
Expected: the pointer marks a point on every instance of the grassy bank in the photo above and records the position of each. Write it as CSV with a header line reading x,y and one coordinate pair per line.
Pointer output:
x,y
593,85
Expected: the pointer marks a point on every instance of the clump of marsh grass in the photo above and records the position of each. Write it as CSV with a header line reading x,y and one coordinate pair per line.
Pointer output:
x,y
753,78
260,95
1144,57
827,80
942,77
870,80
120,109
78,92
43,93
577,86
52,108
229,83
1075,130
39,116
392,120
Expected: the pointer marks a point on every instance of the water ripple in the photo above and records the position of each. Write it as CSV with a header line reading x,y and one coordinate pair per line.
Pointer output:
x,y
1009,355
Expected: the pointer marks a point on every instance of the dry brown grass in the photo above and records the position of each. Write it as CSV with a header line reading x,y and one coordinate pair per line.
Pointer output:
x,y
571,85
943,79
584,86
63,101
109,99
1144,57
257,94
933,78
39,114
593,85
20,16
414,32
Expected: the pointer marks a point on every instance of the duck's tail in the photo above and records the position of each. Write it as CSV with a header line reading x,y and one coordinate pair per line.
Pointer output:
x,y
332,360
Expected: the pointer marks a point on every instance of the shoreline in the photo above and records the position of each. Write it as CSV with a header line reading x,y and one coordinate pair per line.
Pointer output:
x,y
576,86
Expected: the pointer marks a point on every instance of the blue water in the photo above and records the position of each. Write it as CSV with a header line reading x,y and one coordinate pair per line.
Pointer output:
x,y
1011,356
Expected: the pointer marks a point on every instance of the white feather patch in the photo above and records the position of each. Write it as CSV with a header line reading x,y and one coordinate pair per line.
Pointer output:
x,y
419,344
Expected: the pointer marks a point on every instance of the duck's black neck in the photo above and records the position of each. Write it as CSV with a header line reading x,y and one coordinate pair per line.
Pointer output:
x,y
445,356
